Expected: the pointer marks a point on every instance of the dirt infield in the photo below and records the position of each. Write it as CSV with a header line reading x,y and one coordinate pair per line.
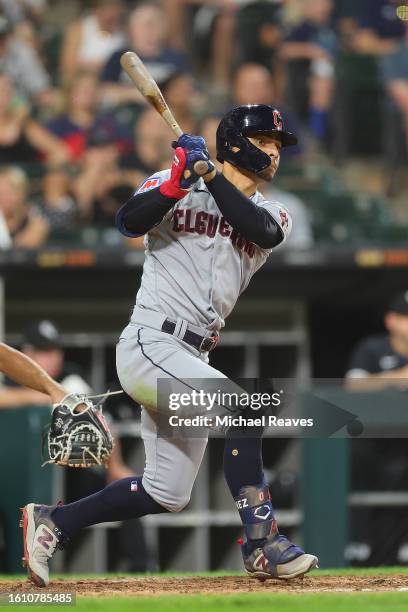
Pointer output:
x,y
223,585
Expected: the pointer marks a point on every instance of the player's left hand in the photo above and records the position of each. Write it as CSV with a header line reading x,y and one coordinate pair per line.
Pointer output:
x,y
190,176
195,149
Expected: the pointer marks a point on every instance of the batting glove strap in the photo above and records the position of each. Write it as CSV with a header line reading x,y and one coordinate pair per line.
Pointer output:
x,y
278,549
190,142
172,188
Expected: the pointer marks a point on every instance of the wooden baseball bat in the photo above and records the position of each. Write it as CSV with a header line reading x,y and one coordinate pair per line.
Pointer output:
x,y
140,76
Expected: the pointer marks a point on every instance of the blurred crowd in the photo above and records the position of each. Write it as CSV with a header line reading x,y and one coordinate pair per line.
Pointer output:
x,y
76,137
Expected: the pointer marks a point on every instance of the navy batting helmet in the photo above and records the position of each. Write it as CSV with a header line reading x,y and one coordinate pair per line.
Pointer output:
x,y
242,121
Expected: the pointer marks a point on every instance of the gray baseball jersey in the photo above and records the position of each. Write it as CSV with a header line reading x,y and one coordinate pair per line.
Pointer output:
x,y
196,265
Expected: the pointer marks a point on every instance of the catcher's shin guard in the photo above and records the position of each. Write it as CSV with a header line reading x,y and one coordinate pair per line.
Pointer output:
x,y
41,538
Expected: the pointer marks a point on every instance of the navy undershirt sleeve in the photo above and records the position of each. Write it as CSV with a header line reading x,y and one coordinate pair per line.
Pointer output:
x,y
252,221
142,212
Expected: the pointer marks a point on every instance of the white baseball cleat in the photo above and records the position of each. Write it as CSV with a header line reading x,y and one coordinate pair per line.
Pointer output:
x,y
41,538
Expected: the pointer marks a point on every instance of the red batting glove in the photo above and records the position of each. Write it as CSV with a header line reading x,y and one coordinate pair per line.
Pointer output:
x,y
171,188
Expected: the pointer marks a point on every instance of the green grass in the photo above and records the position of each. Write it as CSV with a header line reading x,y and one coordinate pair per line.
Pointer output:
x,y
367,602
305,602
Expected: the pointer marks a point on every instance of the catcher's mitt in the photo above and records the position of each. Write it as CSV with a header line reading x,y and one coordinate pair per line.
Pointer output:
x,y
78,439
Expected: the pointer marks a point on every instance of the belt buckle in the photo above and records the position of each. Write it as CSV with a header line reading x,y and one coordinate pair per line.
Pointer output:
x,y
209,343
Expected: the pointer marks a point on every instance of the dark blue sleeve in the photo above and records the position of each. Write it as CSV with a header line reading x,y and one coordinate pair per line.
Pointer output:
x,y
364,357
112,70
252,221
369,13
299,34
142,212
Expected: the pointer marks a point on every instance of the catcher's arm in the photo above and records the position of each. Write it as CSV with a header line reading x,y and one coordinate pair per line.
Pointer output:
x,y
24,371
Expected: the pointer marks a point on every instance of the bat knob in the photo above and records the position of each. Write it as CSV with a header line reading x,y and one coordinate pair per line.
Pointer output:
x,y
201,167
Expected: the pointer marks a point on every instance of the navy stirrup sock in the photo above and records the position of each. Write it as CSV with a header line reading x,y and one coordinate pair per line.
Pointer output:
x,y
121,500
243,471
242,461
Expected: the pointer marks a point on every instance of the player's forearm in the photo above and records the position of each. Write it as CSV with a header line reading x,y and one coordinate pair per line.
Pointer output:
x,y
25,372
17,398
255,223
367,41
142,212
380,380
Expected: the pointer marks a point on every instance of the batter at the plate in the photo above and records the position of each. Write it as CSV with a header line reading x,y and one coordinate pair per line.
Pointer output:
x,y
205,238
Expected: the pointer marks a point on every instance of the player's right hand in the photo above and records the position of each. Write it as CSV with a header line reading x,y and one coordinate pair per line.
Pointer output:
x,y
196,150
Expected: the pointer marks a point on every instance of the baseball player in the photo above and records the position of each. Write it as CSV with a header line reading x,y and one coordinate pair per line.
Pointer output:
x,y
25,372
204,238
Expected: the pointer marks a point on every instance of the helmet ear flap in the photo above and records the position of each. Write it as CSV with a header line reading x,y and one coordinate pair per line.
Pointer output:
x,y
239,151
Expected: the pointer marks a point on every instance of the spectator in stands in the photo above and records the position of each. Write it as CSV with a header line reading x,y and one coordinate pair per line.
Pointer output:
x,y
253,84
22,64
106,206
382,360
151,151
57,203
183,99
394,67
22,139
26,16
259,35
379,28
313,45
26,227
81,118
209,25
147,35
80,101
90,41
208,129
100,172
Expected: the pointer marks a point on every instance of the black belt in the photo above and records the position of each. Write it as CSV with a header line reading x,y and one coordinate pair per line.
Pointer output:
x,y
201,343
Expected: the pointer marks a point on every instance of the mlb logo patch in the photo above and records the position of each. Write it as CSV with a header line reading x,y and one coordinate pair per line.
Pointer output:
x,y
150,183
133,485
